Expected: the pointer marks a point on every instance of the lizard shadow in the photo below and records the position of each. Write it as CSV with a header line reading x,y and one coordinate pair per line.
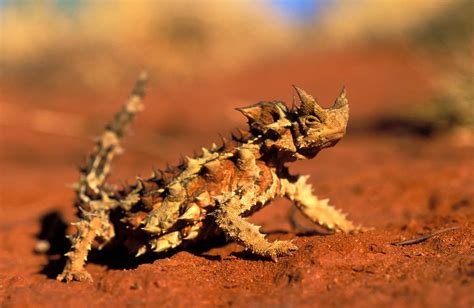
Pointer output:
x,y
52,243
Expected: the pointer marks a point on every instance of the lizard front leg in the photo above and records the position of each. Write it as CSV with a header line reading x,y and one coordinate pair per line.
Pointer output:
x,y
318,211
239,229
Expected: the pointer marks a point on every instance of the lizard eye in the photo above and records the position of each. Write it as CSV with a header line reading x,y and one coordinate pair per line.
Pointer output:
x,y
311,120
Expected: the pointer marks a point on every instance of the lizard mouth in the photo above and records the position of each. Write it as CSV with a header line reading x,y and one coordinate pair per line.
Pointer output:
x,y
333,138
312,150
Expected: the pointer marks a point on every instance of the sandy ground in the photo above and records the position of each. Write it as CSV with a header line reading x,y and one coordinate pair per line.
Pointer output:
x,y
401,186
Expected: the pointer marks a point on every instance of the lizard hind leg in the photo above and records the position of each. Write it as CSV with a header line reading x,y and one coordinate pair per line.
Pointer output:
x,y
77,256
317,210
239,229
92,198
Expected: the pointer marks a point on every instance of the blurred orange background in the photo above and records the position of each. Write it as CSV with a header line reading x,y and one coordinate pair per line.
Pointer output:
x,y
67,66
386,52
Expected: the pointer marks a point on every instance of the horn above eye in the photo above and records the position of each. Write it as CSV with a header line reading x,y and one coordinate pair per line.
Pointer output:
x,y
341,100
309,105
307,101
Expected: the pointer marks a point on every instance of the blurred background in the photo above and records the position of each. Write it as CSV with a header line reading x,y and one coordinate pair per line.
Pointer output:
x,y
67,65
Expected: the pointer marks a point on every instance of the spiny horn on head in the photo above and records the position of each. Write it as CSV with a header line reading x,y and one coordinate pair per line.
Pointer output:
x,y
309,105
307,101
341,100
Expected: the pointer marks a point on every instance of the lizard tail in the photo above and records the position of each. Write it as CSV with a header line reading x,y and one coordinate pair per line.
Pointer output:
x,y
97,167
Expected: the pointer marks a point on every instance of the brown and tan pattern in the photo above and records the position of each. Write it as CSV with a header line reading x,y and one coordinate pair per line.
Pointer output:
x,y
211,193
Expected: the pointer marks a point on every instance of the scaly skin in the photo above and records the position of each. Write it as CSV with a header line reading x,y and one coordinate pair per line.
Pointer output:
x,y
211,193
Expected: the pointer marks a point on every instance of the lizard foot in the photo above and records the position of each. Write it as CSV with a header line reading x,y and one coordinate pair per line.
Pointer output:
x,y
280,249
70,275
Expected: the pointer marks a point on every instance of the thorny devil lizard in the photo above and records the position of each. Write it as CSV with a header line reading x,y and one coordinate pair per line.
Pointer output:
x,y
211,193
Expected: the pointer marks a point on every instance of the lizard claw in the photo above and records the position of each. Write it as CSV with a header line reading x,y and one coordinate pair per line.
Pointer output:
x,y
359,229
281,248
69,275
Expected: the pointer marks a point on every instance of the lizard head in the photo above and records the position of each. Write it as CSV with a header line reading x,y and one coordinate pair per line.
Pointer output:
x,y
315,127
299,133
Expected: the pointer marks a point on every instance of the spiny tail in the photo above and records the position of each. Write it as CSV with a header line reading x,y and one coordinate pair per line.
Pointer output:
x,y
97,168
